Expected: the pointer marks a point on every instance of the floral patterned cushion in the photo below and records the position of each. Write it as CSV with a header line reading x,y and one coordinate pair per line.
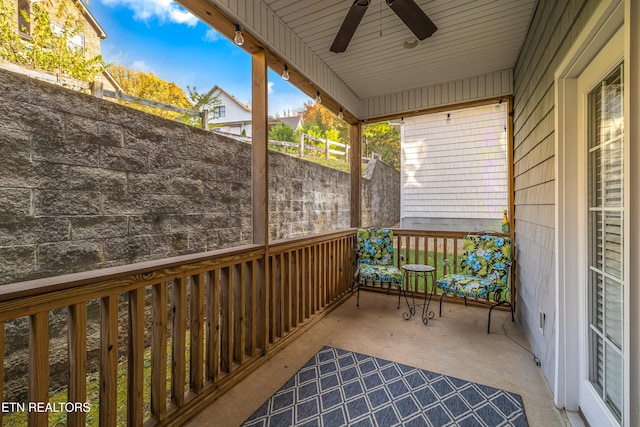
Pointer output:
x,y
374,247
484,268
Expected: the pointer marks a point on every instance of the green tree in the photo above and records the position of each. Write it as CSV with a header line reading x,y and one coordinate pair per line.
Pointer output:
x,y
383,139
47,46
151,87
380,138
200,102
322,123
282,132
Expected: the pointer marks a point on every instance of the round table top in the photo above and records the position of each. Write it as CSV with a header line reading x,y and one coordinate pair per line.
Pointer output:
x,y
418,267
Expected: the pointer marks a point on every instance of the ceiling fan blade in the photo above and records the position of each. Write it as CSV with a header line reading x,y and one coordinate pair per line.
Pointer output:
x,y
413,17
349,25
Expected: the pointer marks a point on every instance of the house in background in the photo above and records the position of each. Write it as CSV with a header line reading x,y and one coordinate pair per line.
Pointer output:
x,y
455,173
89,40
294,122
230,115
234,117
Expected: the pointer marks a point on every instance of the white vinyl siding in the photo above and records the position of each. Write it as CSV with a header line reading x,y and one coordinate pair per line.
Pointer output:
x,y
457,168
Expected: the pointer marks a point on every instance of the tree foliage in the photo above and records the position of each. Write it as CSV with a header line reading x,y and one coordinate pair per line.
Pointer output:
x,y
383,139
151,87
200,102
282,132
42,46
380,138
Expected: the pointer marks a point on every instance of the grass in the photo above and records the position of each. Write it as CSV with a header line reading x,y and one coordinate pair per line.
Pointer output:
x,y
419,258
19,419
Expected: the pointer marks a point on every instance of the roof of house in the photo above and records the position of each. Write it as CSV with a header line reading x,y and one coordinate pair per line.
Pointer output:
x,y
90,18
233,98
292,121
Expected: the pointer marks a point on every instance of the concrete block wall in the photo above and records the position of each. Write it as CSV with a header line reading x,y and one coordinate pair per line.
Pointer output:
x,y
87,184
380,195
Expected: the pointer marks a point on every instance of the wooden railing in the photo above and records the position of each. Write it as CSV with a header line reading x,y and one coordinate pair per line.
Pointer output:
x,y
431,248
215,316
427,247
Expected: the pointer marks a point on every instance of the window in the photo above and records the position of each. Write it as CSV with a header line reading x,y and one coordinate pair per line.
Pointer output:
x,y
606,206
76,42
219,111
24,17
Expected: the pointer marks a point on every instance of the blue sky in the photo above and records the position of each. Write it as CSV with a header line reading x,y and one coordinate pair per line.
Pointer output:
x,y
159,36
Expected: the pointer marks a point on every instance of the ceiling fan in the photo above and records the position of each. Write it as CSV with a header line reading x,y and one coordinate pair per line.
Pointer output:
x,y
407,10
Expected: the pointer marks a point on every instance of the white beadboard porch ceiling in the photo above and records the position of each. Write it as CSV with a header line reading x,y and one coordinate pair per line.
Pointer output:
x,y
470,57
474,37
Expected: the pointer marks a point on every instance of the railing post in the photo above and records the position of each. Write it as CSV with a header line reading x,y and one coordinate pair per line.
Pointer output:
x,y
326,148
356,176
97,89
204,116
260,177
301,144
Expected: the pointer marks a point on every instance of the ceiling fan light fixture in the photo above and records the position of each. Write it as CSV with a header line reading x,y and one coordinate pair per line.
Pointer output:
x,y
407,10
411,43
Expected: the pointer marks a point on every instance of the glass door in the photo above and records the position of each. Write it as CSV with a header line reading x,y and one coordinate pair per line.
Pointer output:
x,y
606,281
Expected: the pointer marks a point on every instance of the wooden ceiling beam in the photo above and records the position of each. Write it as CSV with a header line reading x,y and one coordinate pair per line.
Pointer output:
x,y
220,21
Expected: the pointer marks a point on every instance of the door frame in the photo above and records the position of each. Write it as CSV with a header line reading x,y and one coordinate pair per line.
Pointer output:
x,y
570,189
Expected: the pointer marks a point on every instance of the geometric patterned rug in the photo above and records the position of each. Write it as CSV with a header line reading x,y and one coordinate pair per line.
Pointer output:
x,y
342,388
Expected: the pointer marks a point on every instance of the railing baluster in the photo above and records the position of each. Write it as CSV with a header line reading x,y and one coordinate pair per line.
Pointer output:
x,y
239,313
229,318
455,255
285,291
77,342
306,283
196,330
254,308
213,326
315,279
38,365
159,351
273,306
108,361
178,346
135,354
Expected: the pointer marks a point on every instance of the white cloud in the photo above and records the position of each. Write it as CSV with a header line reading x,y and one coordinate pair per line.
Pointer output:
x,y
270,87
211,36
140,66
164,10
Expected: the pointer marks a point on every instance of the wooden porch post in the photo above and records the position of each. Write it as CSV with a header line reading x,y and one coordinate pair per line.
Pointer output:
x,y
260,187
356,176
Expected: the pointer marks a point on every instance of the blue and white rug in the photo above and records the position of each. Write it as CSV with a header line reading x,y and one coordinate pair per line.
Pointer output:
x,y
342,388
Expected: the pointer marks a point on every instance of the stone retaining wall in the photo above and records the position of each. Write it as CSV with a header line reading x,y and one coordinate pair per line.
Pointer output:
x,y
88,184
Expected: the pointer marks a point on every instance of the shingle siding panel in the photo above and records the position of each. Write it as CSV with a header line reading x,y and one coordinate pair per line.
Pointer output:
x,y
553,29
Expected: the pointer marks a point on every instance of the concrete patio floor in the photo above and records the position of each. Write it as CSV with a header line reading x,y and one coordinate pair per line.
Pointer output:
x,y
455,344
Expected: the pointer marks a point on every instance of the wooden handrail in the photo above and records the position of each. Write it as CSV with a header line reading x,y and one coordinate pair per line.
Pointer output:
x,y
213,312
67,281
